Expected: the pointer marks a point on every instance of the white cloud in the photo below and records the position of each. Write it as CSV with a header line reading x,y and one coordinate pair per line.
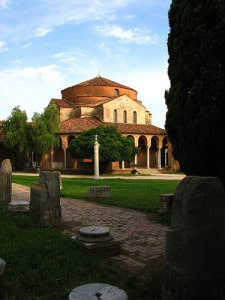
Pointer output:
x,y
4,3
3,47
30,88
26,45
41,31
137,35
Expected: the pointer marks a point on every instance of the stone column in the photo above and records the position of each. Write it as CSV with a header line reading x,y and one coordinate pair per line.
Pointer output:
x,y
166,161
159,156
64,158
96,158
122,164
148,157
194,266
6,182
135,160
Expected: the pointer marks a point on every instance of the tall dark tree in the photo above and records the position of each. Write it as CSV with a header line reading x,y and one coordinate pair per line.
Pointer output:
x,y
195,120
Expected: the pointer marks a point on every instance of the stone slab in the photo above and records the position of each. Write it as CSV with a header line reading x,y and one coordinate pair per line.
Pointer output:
x,y
19,206
95,291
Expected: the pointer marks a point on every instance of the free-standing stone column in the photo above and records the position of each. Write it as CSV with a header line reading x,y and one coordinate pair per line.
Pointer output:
x,y
45,207
96,158
6,182
194,266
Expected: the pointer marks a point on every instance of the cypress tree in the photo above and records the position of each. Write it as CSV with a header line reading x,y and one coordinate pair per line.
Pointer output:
x,y
195,119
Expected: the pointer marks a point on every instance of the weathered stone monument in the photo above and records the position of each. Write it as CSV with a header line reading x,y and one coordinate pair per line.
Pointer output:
x,y
6,182
45,209
95,291
194,266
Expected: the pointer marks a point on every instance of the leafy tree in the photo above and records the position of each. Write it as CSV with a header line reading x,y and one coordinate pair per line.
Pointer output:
x,y
23,137
45,126
18,136
195,101
113,146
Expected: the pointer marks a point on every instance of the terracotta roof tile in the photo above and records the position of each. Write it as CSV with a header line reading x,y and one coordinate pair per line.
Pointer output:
x,y
101,81
77,125
62,103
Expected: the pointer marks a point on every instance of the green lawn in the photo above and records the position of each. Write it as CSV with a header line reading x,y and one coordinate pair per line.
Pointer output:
x,y
136,194
44,264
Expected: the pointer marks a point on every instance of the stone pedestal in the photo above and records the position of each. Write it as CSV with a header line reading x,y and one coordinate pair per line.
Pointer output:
x,y
94,291
97,239
6,182
45,209
194,266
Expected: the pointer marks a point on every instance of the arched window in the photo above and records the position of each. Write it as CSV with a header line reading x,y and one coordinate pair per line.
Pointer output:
x,y
135,117
124,116
116,92
115,116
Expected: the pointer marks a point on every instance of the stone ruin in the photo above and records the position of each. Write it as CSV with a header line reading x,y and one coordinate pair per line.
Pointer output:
x,y
99,192
97,239
6,182
45,209
194,266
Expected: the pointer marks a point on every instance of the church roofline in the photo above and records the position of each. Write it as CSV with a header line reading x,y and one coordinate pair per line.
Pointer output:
x,y
100,81
77,125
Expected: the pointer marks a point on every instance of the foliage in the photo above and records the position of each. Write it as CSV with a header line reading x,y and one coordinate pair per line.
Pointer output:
x,y
195,100
45,126
18,131
136,194
112,145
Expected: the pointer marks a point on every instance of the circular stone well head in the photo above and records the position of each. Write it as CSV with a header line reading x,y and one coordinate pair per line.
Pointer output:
x,y
94,231
95,291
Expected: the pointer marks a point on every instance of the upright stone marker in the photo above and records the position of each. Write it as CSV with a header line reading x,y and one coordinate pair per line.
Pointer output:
x,y
194,266
45,209
6,182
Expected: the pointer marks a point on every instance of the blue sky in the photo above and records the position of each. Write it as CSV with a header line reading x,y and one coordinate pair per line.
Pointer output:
x,y
48,45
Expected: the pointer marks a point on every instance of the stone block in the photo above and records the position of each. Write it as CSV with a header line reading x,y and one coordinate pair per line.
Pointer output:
x,y
99,192
19,206
194,266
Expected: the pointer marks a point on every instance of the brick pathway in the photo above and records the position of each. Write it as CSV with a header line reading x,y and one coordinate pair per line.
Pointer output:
x,y
142,238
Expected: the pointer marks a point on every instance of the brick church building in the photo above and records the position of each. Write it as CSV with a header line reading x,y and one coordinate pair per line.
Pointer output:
x,y
100,101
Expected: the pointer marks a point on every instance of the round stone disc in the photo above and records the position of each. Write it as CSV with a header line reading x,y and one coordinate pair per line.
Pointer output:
x,y
94,231
94,291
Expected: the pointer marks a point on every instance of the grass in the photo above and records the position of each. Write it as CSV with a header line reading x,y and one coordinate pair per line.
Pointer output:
x,y
136,194
43,264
